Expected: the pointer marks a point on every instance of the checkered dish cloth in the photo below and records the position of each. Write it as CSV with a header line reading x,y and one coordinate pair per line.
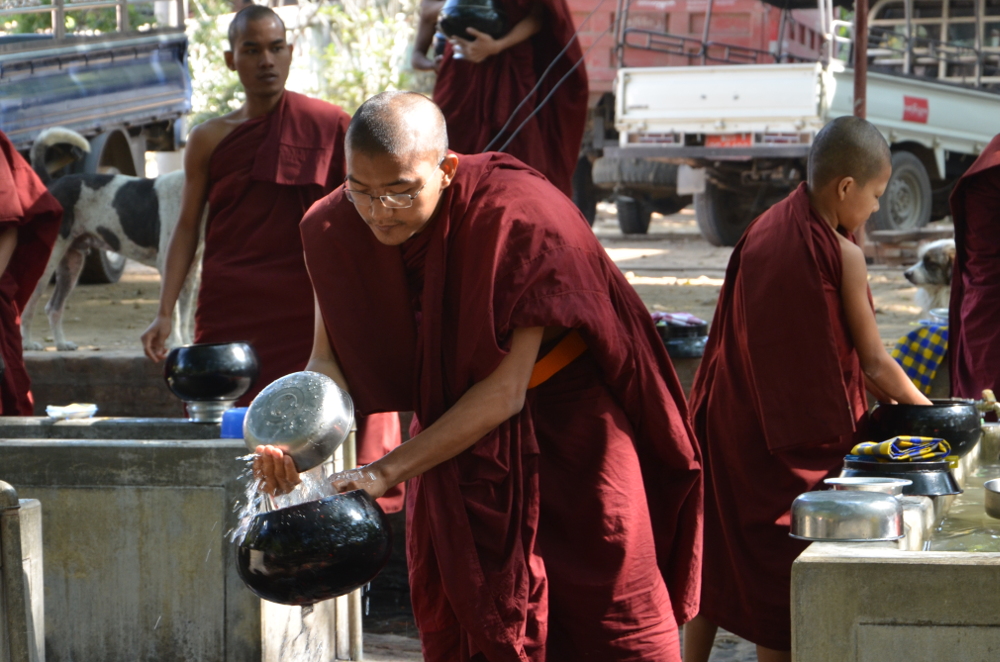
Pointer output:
x,y
920,352
913,449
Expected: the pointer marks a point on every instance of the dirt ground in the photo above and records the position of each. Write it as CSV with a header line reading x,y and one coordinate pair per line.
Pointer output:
x,y
672,268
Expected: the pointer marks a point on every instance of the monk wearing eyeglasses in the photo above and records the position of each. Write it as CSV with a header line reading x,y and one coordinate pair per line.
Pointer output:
x,y
554,488
259,168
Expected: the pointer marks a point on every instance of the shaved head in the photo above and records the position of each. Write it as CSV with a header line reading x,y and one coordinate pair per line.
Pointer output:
x,y
847,147
400,125
246,15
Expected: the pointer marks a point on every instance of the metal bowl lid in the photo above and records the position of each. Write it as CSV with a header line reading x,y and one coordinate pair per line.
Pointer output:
x,y
846,516
297,409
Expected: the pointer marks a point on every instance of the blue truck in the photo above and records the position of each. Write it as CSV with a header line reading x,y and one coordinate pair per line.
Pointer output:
x,y
126,90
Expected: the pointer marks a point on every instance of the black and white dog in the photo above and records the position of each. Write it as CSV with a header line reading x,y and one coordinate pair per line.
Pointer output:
x,y
932,274
131,216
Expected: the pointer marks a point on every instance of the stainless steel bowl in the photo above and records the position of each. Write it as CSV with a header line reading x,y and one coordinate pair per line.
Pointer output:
x,y
305,414
893,486
846,516
991,497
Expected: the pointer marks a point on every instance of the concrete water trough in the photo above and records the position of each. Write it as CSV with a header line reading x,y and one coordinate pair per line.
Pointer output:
x,y
930,597
137,563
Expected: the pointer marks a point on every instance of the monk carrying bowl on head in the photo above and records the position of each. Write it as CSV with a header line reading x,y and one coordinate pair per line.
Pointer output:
x,y
974,319
259,168
779,397
29,224
554,487
482,82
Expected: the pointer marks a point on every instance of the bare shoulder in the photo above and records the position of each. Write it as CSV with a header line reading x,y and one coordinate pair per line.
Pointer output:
x,y
853,259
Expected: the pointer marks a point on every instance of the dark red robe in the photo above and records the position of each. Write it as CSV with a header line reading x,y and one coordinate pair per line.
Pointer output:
x,y
572,531
478,99
254,286
776,404
26,204
973,329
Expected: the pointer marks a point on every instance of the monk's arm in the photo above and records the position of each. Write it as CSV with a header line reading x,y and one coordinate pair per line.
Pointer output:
x,y
429,10
880,369
486,405
183,242
483,46
8,243
322,358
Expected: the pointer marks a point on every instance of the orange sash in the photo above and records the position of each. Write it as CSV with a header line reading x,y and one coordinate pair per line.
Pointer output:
x,y
564,353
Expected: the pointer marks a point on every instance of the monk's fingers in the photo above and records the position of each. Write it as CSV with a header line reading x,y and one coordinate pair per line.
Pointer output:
x,y
288,474
478,35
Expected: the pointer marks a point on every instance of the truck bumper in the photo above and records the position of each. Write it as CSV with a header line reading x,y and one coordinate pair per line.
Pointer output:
x,y
689,155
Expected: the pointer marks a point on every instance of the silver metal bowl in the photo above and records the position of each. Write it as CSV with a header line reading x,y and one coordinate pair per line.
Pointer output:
x,y
991,497
893,486
846,516
305,414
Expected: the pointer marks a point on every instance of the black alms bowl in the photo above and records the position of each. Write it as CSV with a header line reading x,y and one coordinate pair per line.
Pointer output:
x,y
218,371
483,15
316,550
956,421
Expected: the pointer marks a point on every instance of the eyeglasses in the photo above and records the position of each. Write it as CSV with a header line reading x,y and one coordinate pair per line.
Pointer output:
x,y
394,201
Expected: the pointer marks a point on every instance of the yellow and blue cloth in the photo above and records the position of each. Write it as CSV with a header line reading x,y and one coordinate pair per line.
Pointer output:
x,y
920,352
905,449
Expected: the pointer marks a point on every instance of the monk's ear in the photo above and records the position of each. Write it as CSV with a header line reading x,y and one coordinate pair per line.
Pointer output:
x,y
230,62
449,167
844,185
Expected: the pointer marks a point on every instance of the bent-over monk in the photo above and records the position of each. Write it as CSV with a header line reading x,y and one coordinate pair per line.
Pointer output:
x,y
779,397
554,488
259,168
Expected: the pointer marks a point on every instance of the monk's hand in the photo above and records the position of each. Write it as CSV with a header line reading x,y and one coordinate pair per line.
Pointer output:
x,y
154,339
478,49
366,478
275,471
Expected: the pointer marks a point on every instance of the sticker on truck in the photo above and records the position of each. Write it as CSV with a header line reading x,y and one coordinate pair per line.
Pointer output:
x,y
729,140
916,109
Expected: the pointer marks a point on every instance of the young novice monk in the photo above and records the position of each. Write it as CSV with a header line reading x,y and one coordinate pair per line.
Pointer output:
x,y
779,398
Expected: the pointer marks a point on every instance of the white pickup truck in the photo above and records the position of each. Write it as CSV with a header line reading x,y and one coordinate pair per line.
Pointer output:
x,y
743,132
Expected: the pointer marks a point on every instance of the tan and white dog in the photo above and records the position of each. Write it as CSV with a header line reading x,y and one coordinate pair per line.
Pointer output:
x,y
932,274
131,216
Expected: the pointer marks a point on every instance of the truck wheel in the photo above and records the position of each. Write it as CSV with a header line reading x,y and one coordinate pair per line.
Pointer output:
x,y
722,215
907,202
633,214
585,194
102,268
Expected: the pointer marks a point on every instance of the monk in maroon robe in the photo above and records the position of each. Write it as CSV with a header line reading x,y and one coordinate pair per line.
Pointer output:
x,y
480,90
554,493
259,169
29,225
779,398
973,332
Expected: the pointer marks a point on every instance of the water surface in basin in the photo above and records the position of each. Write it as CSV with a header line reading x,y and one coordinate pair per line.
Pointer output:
x,y
966,527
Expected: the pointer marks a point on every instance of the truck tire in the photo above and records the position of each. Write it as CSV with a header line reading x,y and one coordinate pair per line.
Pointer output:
x,y
633,214
102,268
585,194
908,199
722,215
609,172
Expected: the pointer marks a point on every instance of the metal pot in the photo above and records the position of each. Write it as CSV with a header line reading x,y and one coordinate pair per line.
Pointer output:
x,y
892,486
956,421
927,478
316,550
305,414
846,516
210,377
991,497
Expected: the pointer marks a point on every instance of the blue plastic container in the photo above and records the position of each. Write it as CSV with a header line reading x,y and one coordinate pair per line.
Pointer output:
x,y
232,423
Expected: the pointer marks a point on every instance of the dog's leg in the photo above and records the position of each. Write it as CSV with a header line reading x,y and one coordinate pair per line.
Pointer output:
x,y
67,274
28,314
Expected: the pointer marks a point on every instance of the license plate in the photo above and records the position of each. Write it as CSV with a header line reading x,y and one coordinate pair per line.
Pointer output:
x,y
729,140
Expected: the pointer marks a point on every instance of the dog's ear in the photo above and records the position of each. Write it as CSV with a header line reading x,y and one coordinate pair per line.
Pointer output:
x,y
951,251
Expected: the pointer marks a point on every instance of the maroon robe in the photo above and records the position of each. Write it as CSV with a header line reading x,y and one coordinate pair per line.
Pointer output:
x,y
478,99
973,331
27,205
776,404
254,286
571,531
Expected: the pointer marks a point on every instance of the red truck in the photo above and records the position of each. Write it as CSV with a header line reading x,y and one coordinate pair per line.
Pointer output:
x,y
660,33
